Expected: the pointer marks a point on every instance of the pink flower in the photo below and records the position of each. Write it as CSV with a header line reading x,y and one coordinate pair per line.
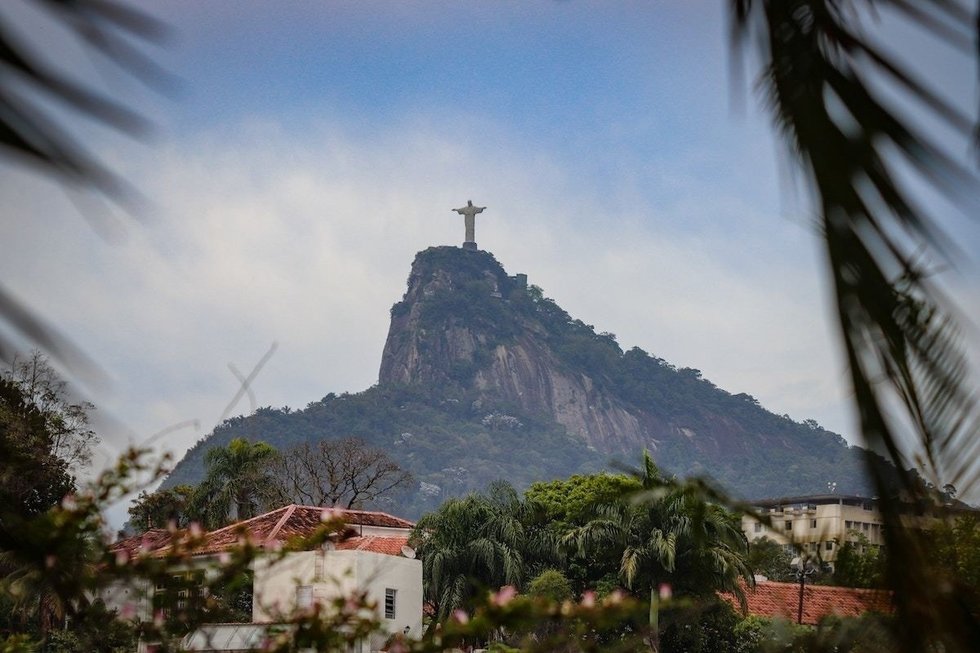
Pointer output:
x,y
666,591
504,596
460,616
588,599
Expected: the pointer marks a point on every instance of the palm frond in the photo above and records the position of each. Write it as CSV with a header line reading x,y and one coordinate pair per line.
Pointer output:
x,y
901,344
29,133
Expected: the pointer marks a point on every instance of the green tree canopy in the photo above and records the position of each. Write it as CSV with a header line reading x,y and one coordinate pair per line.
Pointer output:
x,y
239,483
161,508
550,584
769,558
479,542
668,534
570,500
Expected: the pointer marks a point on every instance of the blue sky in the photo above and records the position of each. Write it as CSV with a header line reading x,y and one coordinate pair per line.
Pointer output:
x,y
314,147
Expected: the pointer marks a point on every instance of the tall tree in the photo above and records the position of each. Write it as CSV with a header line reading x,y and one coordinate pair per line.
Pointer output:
x,y
41,565
32,477
345,472
66,422
238,483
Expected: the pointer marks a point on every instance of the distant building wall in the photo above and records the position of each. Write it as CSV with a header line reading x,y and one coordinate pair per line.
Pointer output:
x,y
818,523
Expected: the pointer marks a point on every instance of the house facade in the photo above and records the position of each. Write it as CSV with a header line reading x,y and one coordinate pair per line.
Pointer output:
x,y
368,554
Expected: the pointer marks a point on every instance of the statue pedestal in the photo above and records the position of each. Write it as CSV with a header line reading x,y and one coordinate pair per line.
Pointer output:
x,y
470,245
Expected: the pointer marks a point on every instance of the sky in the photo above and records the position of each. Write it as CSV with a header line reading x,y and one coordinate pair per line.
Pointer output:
x,y
310,149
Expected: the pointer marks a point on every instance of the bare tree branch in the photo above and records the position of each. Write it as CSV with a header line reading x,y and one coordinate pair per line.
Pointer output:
x,y
345,472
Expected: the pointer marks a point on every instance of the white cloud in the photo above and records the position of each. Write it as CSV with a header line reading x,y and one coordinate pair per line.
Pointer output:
x,y
306,239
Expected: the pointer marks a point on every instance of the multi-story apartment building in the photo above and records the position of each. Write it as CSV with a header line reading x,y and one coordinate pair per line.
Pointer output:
x,y
817,524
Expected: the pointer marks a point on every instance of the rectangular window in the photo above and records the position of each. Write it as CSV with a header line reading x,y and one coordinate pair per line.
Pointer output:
x,y
758,527
789,525
390,602
304,597
813,523
318,565
829,546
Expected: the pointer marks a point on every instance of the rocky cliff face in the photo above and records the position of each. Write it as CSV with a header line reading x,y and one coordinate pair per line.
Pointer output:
x,y
496,346
483,378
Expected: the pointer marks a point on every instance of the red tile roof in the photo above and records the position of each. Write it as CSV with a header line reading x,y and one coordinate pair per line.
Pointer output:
x,y
151,540
375,544
279,526
772,599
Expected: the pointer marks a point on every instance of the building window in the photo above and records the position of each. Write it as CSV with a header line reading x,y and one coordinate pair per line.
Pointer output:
x,y
758,527
390,602
813,523
829,546
304,597
789,525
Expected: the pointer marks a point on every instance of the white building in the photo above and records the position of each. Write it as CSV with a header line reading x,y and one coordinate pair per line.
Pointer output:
x,y
370,555
817,524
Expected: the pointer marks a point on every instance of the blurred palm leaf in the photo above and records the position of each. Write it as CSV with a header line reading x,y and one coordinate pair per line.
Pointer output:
x,y
29,89
910,378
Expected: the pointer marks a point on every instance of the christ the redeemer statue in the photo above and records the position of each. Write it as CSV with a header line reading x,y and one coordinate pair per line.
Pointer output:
x,y
469,214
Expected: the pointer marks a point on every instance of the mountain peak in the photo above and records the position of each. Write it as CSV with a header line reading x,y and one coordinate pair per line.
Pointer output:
x,y
483,377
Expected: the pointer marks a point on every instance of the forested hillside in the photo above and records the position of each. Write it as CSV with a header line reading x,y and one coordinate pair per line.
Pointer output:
x,y
484,378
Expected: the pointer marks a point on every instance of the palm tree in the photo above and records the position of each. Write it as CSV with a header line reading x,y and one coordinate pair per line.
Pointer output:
x,y
821,76
238,484
669,534
477,543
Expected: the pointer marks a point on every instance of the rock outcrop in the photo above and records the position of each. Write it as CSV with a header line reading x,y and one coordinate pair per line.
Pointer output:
x,y
484,378
502,351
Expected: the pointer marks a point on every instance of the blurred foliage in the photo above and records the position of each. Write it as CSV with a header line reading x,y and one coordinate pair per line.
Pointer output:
x,y
550,584
859,564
